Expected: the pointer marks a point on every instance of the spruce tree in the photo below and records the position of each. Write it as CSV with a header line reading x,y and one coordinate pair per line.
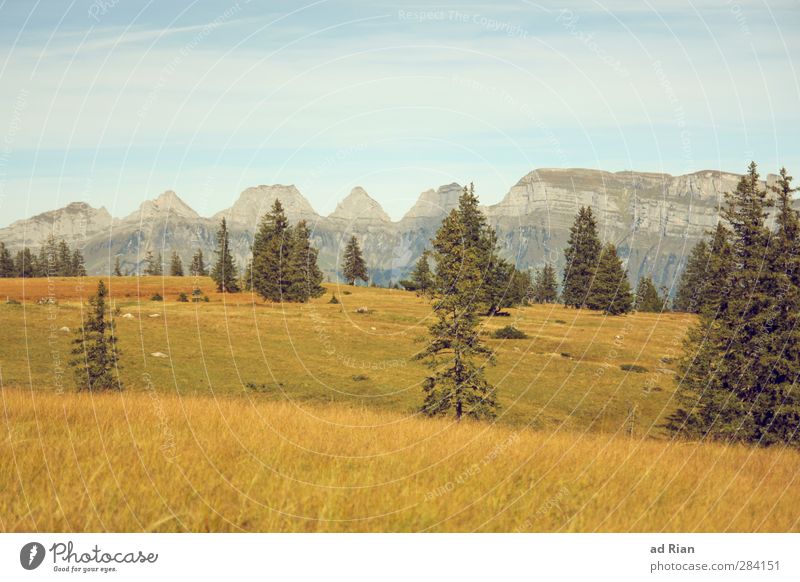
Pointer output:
x,y
610,291
176,265
7,268
153,264
422,277
198,268
455,354
304,276
225,272
545,286
647,298
354,267
63,260
48,264
117,267
96,361
741,360
271,255
78,264
582,256
25,264
692,286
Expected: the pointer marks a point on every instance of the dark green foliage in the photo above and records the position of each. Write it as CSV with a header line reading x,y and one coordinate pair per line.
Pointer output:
x,y
421,277
25,264
610,291
117,268
96,361
582,256
520,288
157,297
198,266
303,273
334,300
7,268
545,286
183,298
742,359
509,332
647,298
633,368
271,255
153,265
353,266
455,353
224,272
176,265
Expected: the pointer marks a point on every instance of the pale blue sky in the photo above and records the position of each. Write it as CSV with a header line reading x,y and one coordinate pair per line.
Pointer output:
x,y
114,102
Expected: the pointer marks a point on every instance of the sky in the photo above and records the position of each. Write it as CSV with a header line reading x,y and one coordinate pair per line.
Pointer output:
x,y
115,101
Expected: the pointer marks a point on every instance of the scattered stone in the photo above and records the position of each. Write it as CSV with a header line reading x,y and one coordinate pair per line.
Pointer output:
x,y
374,328
154,315
65,328
159,355
362,310
128,316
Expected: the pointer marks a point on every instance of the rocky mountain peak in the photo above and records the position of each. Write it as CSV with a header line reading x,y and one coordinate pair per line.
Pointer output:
x,y
256,201
434,204
359,206
167,204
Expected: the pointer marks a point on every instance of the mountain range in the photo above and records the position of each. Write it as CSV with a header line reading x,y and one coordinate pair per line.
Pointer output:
x,y
654,219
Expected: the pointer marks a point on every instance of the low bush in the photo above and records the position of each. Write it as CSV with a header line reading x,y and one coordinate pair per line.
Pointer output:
x,y
509,332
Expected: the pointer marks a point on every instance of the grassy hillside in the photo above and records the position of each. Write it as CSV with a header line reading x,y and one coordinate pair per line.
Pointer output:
x,y
567,375
163,462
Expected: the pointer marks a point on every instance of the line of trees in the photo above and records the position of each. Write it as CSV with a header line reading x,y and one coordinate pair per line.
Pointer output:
x,y
55,258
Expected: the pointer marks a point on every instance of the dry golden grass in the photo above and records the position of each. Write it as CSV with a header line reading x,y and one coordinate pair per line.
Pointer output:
x,y
158,462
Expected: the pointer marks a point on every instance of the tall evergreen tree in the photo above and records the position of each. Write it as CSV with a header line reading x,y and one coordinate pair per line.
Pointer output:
x,y
305,277
176,265
354,267
455,354
25,264
421,277
77,264
7,268
647,298
96,361
63,259
225,272
271,246
198,268
610,291
741,360
582,256
153,264
47,262
545,286
117,267
692,286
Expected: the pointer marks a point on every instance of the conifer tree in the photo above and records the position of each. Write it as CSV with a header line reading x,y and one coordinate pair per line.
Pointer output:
x,y
421,276
198,268
96,361
63,259
304,276
25,264
77,266
455,354
176,265
153,264
224,272
354,267
117,267
647,298
610,291
7,268
48,265
545,286
271,255
582,256
741,360
692,286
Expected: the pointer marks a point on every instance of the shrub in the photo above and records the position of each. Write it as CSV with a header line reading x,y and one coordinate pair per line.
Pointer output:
x,y
509,332
11,301
633,368
347,292
360,378
566,355
183,298
157,297
559,321
334,300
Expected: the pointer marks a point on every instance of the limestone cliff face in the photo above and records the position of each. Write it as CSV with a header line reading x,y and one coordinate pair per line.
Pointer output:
x,y
655,219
